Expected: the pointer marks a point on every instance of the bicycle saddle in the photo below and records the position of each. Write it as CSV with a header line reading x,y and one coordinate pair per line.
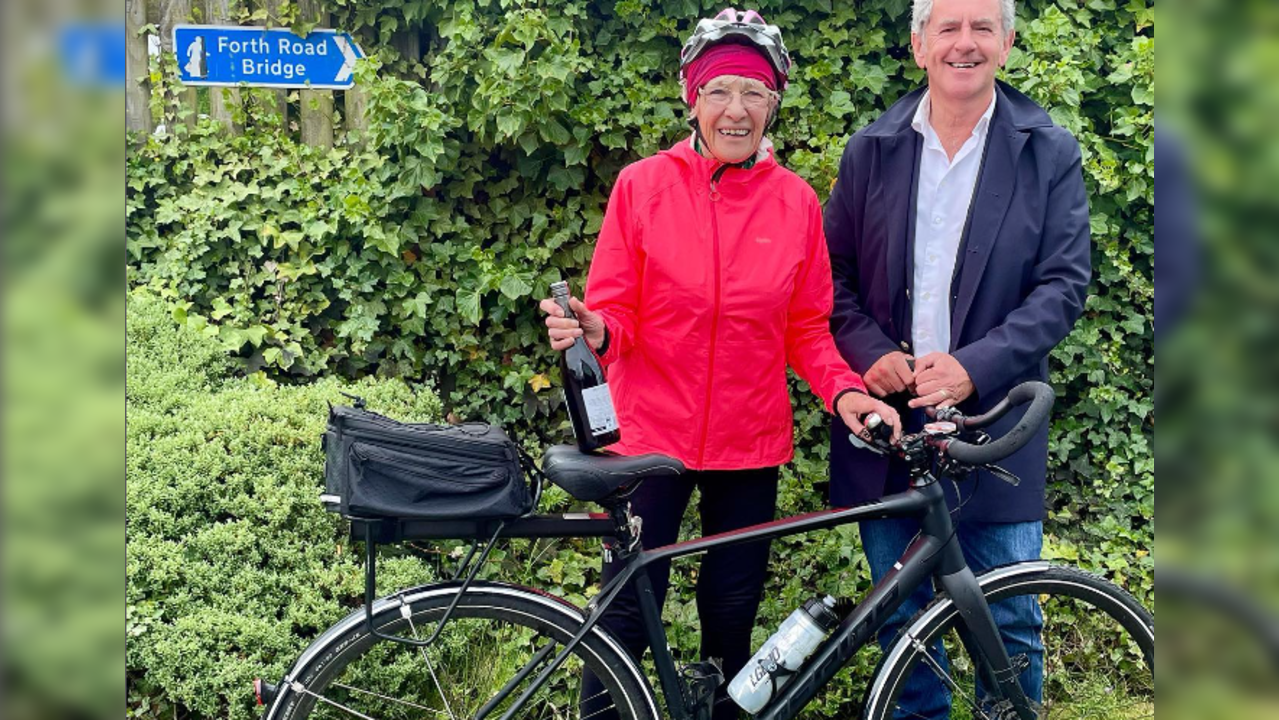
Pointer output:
x,y
595,477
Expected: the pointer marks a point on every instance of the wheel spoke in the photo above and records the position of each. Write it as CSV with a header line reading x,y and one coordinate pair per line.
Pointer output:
x,y
429,667
491,641
298,687
388,698
611,706
946,679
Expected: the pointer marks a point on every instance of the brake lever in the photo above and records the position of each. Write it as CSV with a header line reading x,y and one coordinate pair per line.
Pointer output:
x,y
879,431
863,445
1002,474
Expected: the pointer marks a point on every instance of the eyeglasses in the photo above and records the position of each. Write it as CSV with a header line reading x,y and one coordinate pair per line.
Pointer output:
x,y
751,98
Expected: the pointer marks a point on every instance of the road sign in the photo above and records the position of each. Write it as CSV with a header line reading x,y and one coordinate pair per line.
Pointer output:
x,y
93,54
262,57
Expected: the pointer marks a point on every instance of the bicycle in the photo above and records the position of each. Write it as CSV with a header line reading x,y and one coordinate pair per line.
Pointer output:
x,y
468,648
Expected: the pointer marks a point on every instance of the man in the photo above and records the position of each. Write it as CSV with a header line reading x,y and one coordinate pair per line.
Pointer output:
x,y
958,232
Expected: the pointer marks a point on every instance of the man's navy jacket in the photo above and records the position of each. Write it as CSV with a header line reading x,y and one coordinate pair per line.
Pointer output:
x,y
1020,280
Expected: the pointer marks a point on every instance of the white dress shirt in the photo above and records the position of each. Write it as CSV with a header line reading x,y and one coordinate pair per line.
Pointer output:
x,y
945,192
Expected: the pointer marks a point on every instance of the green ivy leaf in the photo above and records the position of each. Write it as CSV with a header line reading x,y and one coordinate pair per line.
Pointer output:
x,y
564,178
508,61
509,123
528,142
575,154
839,104
255,335
516,285
552,131
468,304
318,229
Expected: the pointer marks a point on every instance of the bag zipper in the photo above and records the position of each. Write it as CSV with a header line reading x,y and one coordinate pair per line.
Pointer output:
x,y
381,455
388,430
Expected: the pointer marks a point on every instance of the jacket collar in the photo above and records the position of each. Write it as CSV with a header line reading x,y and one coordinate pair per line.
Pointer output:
x,y
683,151
1012,109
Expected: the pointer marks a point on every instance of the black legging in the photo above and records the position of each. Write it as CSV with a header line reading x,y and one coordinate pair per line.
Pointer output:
x,y
729,584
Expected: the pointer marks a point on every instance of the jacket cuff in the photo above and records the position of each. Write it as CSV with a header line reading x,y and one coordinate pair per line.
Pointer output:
x,y
834,403
603,348
610,349
982,370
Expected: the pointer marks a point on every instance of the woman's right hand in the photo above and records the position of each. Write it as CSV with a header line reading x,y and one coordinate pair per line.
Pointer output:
x,y
563,330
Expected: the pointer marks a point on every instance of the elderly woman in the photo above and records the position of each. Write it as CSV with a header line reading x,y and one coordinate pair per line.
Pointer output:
x,y
709,278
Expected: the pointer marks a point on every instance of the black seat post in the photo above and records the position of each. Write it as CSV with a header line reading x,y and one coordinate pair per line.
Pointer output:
x,y
626,539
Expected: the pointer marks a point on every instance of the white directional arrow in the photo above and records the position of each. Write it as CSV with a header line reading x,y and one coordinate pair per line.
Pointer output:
x,y
348,59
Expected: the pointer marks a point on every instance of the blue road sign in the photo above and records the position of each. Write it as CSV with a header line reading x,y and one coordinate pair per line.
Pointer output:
x,y
93,54
262,57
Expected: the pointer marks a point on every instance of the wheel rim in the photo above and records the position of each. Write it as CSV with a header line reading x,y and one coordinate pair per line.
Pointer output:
x,y
479,650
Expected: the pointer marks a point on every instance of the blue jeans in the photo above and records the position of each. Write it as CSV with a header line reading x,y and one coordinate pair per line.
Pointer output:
x,y
1020,620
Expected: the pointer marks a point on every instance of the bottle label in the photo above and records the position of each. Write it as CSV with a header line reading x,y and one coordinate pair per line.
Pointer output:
x,y
788,636
763,667
599,409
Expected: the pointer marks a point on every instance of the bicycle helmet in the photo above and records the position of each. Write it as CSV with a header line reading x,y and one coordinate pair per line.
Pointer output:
x,y
745,27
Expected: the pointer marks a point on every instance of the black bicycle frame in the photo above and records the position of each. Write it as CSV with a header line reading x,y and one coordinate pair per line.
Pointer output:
x,y
934,552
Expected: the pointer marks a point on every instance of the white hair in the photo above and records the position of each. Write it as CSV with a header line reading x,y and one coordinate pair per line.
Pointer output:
x,y
921,10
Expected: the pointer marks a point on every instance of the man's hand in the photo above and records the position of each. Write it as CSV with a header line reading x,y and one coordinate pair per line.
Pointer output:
x,y
854,406
563,331
940,381
890,374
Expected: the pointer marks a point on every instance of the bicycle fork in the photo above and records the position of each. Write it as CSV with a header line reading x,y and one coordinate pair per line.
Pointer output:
x,y
981,638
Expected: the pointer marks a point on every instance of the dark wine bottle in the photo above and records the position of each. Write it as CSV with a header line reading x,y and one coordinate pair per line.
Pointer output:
x,y
590,406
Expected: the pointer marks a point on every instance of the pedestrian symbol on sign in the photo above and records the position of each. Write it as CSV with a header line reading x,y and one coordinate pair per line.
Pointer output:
x,y
195,66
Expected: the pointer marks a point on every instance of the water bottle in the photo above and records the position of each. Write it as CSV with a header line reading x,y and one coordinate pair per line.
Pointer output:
x,y
772,666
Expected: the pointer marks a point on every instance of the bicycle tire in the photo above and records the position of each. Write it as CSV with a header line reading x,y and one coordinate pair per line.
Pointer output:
x,y
1111,617
394,677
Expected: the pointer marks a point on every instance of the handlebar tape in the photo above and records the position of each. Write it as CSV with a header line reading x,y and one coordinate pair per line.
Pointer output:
x,y
1039,395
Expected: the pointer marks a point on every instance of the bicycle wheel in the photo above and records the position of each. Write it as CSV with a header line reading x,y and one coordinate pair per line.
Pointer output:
x,y
1099,645
493,633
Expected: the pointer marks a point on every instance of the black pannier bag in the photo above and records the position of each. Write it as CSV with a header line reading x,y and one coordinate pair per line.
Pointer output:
x,y
377,467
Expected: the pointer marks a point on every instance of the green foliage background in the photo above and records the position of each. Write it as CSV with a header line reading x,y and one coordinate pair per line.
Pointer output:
x,y
418,251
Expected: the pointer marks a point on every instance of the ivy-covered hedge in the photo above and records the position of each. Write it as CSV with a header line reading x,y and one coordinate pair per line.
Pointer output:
x,y
418,250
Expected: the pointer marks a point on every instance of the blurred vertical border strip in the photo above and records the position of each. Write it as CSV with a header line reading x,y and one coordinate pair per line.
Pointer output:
x,y
61,353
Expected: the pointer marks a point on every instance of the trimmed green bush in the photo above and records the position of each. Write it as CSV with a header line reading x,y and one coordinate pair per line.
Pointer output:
x,y
232,563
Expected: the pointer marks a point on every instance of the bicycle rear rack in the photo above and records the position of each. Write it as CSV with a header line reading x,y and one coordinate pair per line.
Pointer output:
x,y
471,569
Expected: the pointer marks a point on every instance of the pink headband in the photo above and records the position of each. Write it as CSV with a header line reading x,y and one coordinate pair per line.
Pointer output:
x,y
727,59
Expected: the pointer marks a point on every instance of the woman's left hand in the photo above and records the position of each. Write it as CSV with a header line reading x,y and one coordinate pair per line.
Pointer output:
x,y
854,407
